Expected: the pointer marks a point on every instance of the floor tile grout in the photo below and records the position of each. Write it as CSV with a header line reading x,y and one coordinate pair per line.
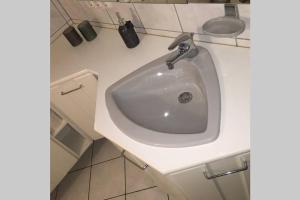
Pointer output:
x,y
115,196
141,190
125,194
122,195
91,170
95,164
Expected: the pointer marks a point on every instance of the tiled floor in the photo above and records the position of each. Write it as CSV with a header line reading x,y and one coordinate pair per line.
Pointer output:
x,y
102,173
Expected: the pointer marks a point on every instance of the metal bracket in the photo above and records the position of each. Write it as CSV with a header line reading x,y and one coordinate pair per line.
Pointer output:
x,y
141,167
244,168
231,10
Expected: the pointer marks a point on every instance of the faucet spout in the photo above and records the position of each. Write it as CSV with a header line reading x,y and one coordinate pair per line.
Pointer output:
x,y
180,54
186,49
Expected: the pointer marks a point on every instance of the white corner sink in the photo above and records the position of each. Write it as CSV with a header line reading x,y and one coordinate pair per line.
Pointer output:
x,y
170,108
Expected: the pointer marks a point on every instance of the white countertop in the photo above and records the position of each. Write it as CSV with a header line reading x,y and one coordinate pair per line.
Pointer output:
x,y
108,56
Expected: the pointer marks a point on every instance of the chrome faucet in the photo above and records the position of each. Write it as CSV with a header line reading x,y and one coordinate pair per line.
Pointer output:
x,y
186,49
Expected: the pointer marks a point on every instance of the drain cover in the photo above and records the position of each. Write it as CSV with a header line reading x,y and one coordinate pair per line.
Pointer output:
x,y
185,97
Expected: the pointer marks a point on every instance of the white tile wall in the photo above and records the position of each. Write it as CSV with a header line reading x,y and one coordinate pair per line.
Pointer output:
x,y
126,10
81,10
207,38
74,9
60,9
243,42
193,16
94,23
162,32
59,19
158,16
244,11
159,19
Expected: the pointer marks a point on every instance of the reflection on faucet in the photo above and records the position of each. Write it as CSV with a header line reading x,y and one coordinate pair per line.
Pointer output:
x,y
186,49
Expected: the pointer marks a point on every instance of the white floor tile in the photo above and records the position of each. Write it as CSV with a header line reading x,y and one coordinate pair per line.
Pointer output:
x,y
136,179
75,186
150,194
107,180
104,150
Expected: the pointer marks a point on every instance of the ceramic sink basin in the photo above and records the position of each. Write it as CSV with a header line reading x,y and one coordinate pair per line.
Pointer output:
x,y
170,108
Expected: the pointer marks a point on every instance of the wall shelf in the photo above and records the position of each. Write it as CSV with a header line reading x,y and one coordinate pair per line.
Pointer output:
x,y
67,136
72,139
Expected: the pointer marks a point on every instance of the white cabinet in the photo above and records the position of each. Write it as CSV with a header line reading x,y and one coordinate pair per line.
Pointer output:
x,y
75,99
66,146
235,186
194,185
225,179
61,162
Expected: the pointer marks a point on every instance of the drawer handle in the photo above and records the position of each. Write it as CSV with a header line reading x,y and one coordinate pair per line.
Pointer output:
x,y
67,92
141,167
245,167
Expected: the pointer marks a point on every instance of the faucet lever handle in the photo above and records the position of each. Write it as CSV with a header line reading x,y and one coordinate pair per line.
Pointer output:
x,y
181,38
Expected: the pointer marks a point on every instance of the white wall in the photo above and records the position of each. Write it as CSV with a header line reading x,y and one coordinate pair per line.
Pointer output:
x,y
159,19
59,19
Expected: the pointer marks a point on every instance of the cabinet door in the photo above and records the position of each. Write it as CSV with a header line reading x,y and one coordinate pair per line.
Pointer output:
x,y
235,186
195,186
90,91
61,161
78,102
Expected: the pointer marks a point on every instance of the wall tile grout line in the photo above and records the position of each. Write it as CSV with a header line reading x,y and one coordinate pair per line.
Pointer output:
x,y
109,16
58,10
243,47
138,15
89,190
65,10
58,29
92,21
51,42
236,43
178,17
243,38
99,26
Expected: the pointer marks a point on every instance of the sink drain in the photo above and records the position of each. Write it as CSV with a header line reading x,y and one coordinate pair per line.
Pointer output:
x,y
185,97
